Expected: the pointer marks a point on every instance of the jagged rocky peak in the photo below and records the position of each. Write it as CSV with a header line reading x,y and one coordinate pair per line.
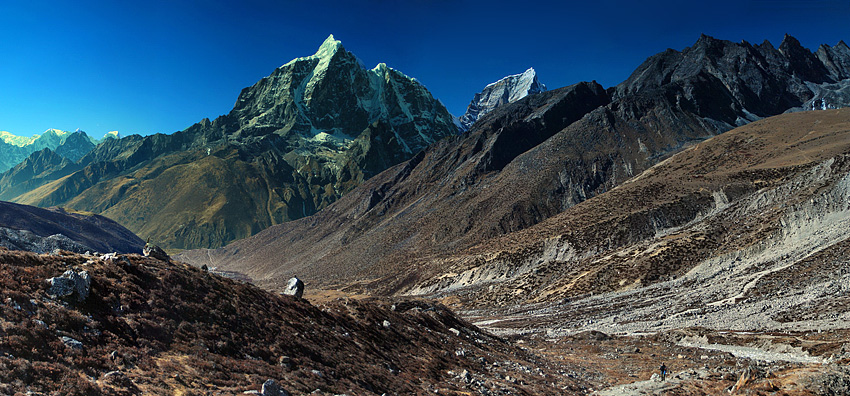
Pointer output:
x,y
803,62
507,90
729,84
314,129
331,97
836,59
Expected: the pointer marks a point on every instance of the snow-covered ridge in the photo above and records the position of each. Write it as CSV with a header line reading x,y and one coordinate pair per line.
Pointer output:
x,y
326,51
22,141
507,90
71,145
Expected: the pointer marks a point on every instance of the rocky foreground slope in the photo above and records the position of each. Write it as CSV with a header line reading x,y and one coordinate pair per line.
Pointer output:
x,y
293,143
530,160
130,324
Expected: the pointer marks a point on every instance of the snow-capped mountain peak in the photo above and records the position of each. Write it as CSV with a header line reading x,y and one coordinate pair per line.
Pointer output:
x,y
507,90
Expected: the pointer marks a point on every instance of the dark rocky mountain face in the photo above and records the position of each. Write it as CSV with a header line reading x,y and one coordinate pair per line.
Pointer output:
x,y
836,60
729,84
39,168
295,142
75,146
526,162
24,227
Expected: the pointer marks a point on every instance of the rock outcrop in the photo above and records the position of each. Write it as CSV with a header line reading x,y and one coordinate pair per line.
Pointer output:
x,y
272,388
507,90
26,240
295,287
71,285
151,250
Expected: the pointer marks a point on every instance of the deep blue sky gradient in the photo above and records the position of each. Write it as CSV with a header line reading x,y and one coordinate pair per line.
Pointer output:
x,y
160,66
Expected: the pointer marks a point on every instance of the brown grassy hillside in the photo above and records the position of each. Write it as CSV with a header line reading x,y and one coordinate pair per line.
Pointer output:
x,y
152,327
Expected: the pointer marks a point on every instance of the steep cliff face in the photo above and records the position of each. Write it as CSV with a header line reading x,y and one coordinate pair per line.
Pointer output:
x,y
528,161
294,142
507,90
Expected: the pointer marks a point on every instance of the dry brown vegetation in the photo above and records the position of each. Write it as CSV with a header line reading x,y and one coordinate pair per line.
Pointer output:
x,y
166,328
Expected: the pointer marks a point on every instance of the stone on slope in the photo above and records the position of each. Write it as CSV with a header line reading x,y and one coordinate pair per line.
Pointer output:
x,y
272,388
72,285
295,287
156,252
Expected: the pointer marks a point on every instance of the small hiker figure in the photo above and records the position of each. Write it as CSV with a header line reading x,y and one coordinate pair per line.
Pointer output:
x,y
663,369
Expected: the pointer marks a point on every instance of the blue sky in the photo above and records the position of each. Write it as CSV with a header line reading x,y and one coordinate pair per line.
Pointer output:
x,y
160,66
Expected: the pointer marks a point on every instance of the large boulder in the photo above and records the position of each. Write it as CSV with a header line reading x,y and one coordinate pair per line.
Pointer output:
x,y
72,343
71,285
156,252
272,388
295,287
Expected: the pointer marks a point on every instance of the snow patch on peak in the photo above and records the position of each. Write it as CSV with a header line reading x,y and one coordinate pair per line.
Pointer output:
x,y
507,90
381,68
57,132
326,51
15,140
329,47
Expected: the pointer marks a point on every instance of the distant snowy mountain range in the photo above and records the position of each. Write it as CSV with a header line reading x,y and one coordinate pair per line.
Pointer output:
x,y
72,145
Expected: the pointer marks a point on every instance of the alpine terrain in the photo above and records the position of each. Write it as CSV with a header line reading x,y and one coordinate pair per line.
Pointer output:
x,y
684,232
507,90
71,145
694,215
294,143
530,160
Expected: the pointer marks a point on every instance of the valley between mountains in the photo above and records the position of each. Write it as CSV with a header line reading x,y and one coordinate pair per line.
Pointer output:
x,y
549,241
